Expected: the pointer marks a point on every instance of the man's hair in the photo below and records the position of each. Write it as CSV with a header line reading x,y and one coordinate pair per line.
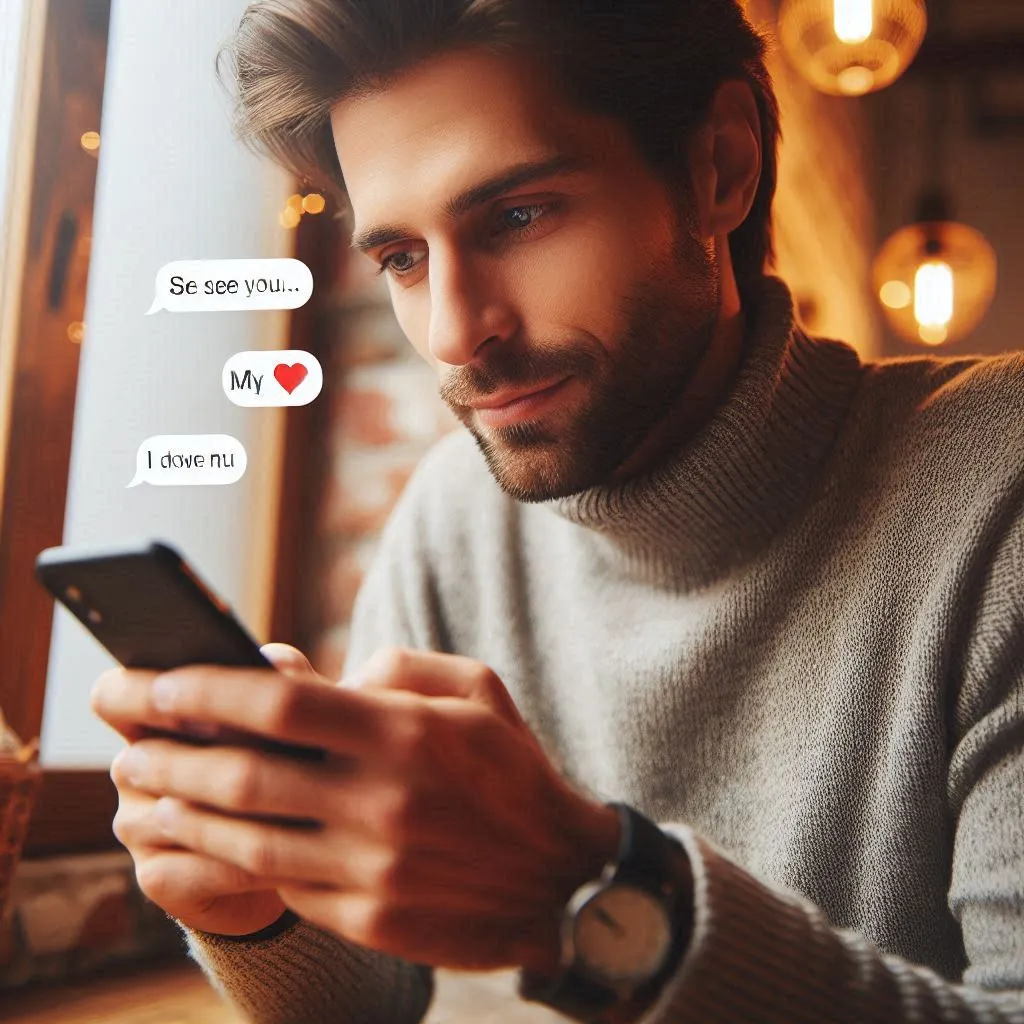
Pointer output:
x,y
654,65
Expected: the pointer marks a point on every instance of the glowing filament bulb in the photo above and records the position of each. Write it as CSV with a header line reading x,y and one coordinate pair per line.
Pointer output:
x,y
933,300
852,20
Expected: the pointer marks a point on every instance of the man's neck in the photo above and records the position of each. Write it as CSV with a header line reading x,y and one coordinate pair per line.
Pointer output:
x,y
740,477
702,394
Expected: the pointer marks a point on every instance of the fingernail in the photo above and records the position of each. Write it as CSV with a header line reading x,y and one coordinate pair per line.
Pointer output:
x,y
355,680
166,814
163,693
132,763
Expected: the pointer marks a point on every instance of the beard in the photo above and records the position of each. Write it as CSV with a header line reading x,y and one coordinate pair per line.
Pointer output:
x,y
632,385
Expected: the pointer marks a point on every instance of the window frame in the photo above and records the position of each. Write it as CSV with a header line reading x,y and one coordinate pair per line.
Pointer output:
x,y
75,808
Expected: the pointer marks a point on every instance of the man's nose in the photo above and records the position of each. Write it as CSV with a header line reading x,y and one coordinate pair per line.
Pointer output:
x,y
466,311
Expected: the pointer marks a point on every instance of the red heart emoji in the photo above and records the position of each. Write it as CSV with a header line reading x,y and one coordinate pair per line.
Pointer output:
x,y
290,377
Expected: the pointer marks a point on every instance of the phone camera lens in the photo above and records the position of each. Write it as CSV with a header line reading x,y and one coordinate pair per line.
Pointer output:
x,y
73,594
94,616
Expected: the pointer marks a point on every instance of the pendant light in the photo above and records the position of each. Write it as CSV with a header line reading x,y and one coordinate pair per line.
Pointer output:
x,y
851,47
935,277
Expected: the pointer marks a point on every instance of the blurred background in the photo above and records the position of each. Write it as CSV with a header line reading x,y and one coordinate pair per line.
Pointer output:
x,y
898,225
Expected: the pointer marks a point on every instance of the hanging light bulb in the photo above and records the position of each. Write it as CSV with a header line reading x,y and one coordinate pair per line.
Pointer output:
x,y
935,278
933,300
851,47
853,20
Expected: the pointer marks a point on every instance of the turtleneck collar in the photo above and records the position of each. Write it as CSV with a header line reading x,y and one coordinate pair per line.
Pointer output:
x,y
710,504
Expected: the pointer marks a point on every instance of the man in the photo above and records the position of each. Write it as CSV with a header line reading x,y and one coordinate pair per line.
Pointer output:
x,y
692,683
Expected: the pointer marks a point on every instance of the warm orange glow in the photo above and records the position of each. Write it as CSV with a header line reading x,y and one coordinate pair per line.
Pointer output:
x,y
896,294
935,281
90,141
314,203
76,332
853,20
855,80
289,217
932,334
933,295
295,203
851,47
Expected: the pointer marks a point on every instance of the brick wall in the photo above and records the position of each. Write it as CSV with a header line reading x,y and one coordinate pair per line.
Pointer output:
x,y
386,411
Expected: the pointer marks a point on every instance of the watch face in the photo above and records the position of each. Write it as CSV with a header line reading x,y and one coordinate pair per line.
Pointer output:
x,y
623,934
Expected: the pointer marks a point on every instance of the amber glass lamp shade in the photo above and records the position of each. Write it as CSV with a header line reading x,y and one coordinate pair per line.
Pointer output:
x,y
851,47
935,281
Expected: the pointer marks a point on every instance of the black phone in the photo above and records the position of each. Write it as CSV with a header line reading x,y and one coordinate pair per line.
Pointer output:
x,y
150,609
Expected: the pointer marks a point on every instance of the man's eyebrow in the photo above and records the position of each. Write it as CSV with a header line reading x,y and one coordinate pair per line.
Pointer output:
x,y
519,174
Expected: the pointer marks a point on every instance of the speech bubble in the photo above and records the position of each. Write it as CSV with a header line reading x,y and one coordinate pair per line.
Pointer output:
x,y
197,286
182,460
282,377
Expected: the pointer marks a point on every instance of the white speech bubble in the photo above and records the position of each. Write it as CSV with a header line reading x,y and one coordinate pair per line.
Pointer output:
x,y
196,286
282,377
182,460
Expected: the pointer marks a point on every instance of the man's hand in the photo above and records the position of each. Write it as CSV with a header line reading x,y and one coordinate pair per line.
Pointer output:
x,y
200,891
445,835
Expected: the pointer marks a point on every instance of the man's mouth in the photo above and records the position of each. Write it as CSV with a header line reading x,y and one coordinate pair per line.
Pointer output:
x,y
508,407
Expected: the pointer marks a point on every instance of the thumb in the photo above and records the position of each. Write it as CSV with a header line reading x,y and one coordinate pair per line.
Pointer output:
x,y
287,659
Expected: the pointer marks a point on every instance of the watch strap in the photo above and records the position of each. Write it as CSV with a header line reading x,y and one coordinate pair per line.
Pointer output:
x,y
647,859
572,993
641,861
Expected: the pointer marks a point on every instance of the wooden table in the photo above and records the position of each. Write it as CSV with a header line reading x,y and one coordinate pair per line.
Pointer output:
x,y
179,994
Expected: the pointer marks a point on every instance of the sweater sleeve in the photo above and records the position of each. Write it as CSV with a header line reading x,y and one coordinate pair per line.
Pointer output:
x,y
306,975
762,953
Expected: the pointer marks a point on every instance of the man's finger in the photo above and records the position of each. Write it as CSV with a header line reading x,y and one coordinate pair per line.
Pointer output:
x,y
432,674
179,879
134,824
265,851
290,709
121,697
287,659
230,779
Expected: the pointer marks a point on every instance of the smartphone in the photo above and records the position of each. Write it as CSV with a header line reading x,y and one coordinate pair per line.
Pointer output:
x,y
150,609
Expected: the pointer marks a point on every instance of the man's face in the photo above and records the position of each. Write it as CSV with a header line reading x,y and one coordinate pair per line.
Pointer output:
x,y
594,275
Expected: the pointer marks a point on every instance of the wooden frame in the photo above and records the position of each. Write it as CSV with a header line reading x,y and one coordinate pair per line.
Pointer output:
x,y
45,377
75,808
45,370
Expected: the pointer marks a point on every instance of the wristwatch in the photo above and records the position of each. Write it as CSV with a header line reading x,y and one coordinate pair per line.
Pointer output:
x,y
623,935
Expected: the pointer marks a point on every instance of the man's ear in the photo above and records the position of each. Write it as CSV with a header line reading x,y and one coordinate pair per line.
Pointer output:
x,y
725,159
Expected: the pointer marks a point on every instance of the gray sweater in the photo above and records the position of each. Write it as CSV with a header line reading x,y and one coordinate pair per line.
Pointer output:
x,y
798,645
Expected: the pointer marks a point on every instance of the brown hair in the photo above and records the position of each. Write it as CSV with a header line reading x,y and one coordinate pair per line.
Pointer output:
x,y
652,64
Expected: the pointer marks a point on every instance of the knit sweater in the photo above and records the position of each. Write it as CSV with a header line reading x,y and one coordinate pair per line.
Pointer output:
x,y
797,644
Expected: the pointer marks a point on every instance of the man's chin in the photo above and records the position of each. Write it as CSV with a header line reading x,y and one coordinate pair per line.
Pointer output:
x,y
537,471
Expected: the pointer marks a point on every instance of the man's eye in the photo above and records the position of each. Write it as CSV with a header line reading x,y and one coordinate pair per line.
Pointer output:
x,y
515,215
512,219
388,264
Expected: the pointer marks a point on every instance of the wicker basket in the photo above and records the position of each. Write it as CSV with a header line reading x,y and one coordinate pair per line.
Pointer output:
x,y
20,778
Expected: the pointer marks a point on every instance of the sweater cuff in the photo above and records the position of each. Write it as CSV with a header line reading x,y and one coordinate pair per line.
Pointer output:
x,y
305,975
282,924
756,952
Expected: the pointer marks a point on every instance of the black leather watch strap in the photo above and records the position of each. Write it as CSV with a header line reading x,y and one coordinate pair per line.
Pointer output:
x,y
573,994
641,860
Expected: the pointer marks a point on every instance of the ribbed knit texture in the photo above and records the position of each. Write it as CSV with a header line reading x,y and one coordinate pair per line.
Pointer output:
x,y
307,976
798,645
